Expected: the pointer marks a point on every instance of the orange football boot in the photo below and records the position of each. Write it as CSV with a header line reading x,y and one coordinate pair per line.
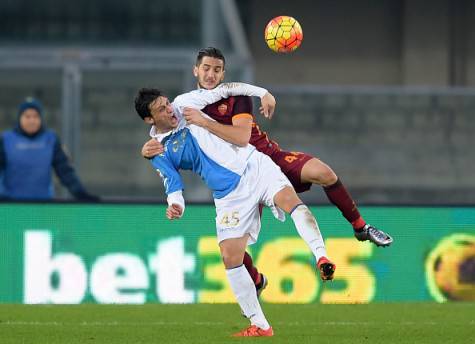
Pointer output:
x,y
254,331
326,268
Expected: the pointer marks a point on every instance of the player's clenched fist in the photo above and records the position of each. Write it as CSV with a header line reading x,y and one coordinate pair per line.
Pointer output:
x,y
174,211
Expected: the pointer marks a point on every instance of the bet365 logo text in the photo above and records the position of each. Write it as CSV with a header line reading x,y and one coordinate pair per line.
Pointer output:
x,y
170,275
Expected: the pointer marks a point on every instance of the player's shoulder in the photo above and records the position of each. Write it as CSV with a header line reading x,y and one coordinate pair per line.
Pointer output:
x,y
187,96
184,96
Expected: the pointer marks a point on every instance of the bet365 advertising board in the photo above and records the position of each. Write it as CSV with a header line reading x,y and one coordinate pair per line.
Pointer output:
x,y
116,253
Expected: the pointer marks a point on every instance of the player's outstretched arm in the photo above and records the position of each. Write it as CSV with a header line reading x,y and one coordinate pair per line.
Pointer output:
x,y
198,99
268,102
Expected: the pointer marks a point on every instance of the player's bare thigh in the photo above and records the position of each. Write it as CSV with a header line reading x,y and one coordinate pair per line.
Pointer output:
x,y
316,171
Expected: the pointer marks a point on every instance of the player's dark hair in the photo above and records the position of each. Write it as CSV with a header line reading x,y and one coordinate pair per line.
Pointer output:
x,y
144,98
210,52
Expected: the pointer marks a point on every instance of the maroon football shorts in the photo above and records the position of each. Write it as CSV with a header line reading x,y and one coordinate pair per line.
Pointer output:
x,y
291,163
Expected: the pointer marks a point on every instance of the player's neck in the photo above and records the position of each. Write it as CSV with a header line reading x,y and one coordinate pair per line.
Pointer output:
x,y
199,87
160,131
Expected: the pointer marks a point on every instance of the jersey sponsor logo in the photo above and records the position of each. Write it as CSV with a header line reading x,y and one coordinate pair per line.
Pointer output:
x,y
223,108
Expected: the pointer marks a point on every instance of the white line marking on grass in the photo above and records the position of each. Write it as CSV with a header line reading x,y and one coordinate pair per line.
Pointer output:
x,y
220,323
109,323
363,323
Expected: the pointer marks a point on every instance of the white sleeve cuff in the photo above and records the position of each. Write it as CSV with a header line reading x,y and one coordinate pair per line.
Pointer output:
x,y
177,198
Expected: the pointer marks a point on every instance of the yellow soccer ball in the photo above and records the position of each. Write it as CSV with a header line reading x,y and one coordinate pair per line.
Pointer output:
x,y
283,34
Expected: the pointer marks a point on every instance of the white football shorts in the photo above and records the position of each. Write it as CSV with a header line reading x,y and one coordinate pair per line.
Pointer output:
x,y
238,212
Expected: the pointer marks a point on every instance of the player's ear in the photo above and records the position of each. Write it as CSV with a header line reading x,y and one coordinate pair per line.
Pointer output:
x,y
148,120
222,76
195,71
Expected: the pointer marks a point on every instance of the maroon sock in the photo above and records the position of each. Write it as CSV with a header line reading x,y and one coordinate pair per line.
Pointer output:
x,y
339,196
251,268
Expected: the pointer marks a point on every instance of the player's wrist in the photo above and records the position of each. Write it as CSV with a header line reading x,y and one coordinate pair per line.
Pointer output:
x,y
207,123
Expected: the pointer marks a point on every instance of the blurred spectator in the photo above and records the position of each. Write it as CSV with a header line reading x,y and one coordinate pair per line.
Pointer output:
x,y
27,155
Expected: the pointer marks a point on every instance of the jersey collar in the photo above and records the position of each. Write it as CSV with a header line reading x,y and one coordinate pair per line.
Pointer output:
x,y
159,136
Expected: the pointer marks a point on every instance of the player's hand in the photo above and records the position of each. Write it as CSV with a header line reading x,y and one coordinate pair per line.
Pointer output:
x,y
194,116
267,105
174,211
151,148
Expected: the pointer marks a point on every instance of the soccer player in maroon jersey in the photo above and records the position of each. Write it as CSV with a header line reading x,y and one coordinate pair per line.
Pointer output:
x,y
233,115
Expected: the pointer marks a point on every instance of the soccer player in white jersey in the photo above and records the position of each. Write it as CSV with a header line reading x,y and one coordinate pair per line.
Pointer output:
x,y
240,177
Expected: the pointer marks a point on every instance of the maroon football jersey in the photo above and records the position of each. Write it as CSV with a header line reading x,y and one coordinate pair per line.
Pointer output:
x,y
223,112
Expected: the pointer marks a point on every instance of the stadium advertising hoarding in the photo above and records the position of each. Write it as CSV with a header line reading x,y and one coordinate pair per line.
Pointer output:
x,y
117,253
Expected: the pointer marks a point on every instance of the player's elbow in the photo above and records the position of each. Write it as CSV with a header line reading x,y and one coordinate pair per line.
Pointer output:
x,y
243,140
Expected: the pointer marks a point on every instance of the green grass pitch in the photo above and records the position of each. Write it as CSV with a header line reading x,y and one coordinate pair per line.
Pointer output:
x,y
316,324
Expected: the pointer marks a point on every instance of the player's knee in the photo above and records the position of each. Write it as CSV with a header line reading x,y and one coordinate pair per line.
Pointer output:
x,y
328,177
324,176
317,172
231,257
231,260
287,199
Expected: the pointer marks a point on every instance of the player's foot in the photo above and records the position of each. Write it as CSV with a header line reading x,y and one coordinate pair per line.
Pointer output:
x,y
326,268
376,236
254,331
261,285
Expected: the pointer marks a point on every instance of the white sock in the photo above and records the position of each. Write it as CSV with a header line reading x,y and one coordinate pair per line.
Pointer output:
x,y
245,292
307,227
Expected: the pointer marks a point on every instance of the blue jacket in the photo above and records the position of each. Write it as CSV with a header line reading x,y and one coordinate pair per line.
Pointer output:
x,y
27,163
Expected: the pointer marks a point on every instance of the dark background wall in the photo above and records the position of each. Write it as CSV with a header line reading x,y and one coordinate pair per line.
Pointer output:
x,y
369,42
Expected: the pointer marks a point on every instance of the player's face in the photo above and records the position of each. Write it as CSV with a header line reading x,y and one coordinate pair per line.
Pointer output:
x,y
30,121
210,72
163,116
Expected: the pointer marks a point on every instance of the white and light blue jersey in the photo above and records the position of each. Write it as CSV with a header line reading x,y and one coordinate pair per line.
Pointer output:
x,y
189,147
184,150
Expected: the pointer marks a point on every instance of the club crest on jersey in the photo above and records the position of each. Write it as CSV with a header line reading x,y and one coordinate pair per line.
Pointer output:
x,y
223,108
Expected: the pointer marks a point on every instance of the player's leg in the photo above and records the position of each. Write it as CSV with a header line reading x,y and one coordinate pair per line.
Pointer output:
x,y
232,252
238,224
276,192
307,227
316,171
259,279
